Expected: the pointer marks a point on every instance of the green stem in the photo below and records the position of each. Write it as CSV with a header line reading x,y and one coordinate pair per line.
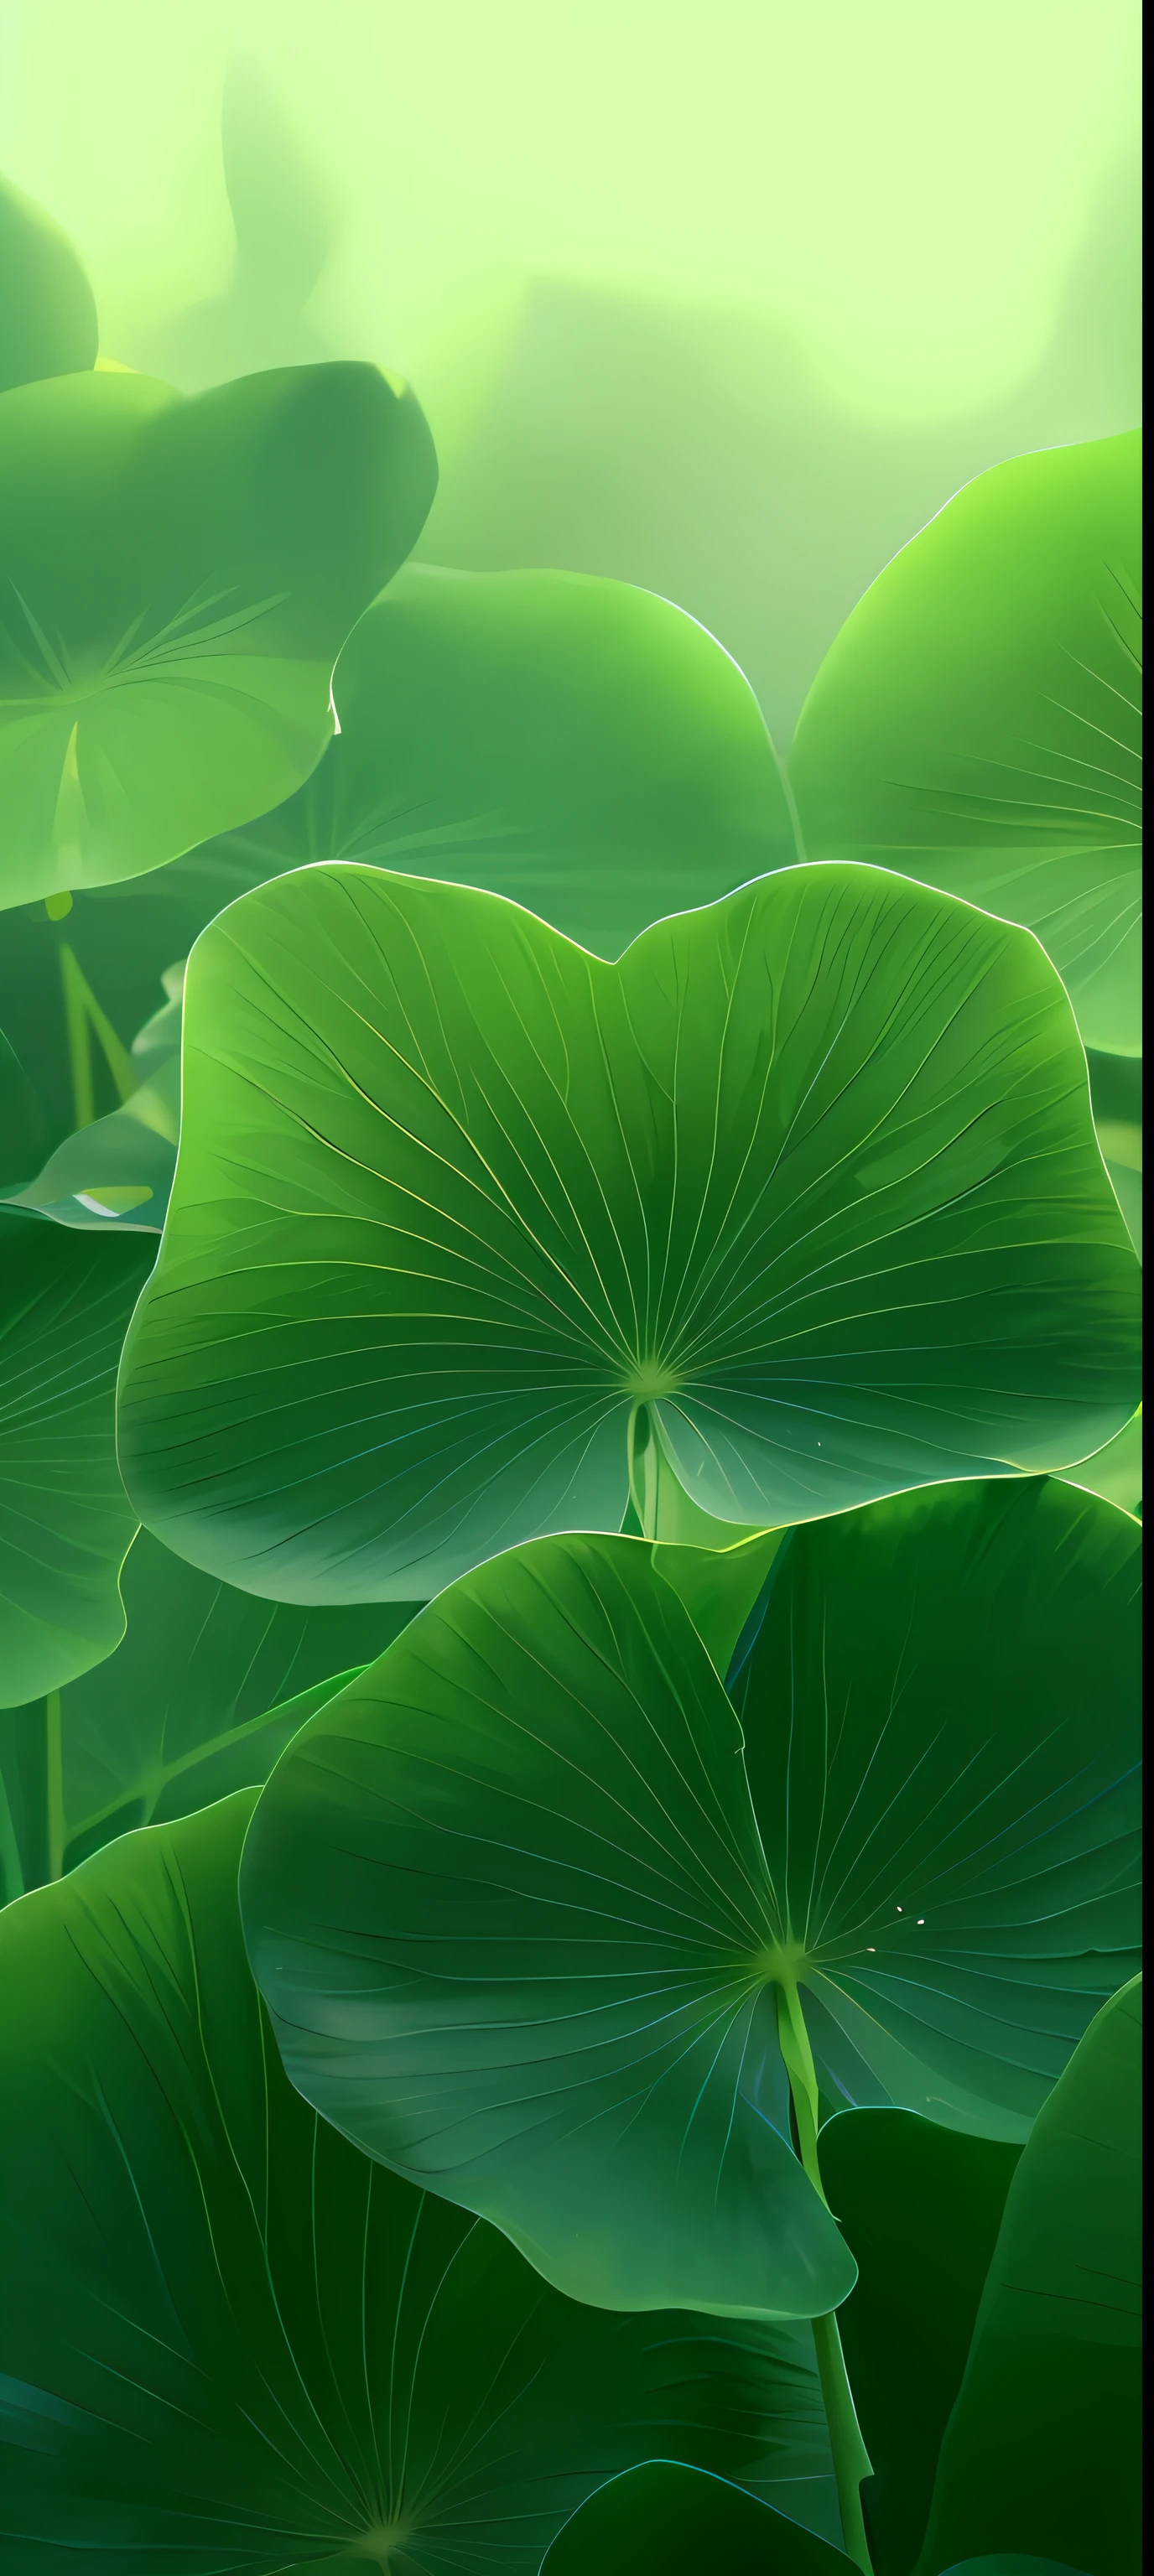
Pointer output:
x,y
11,1869
851,2460
643,1469
54,1784
84,1020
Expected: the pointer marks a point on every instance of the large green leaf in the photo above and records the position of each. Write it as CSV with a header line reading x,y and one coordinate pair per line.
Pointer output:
x,y
666,2520
47,315
921,2207
65,1523
1044,2447
576,744
180,576
977,721
543,1925
229,2341
802,1200
204,1691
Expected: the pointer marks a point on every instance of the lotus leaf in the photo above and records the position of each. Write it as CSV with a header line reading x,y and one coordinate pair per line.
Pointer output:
x,y
179,578
552,1922
228,2340
472,1233
576,744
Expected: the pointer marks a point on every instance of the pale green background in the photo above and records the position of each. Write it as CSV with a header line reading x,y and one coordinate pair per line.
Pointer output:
x,y
723,296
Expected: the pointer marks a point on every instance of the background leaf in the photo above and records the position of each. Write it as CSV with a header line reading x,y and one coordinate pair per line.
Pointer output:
x,y
575,744
116,1172
920,2207
47,315
180,576
977,722
662,2520
811,1175
229,2340
205,1689
1043,2450
65,1523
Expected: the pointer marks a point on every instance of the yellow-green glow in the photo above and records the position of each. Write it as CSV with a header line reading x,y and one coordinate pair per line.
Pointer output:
x,y
901,181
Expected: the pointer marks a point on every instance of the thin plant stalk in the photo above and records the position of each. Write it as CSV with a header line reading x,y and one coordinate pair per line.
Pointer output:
x,y
85,1020
851,2460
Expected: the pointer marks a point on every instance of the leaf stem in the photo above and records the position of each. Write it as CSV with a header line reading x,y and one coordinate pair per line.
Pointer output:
x,y
643,1469
851,2460
84,1020
54,1784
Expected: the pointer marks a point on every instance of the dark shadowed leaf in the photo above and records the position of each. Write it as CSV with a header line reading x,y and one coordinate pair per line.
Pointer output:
x,y
801,1202
920,2207
576,744
665,2520
977,722
230,2342
65,1523
540,1929
1044,2448
47,315
179,578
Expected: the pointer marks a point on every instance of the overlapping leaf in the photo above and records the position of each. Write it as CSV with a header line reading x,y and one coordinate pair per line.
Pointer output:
x,y
179,577
576,744
65,1523
228,2340
977,722
535,1915
802,1199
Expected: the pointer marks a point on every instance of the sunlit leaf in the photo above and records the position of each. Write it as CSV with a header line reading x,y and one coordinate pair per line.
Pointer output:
x,y
805,1193
179,578
578,745
229,2341
1044,2447
977,722
540,1910
65,1523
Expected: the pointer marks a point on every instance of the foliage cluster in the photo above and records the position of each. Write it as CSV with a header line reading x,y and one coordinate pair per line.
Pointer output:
x,y
569,1523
